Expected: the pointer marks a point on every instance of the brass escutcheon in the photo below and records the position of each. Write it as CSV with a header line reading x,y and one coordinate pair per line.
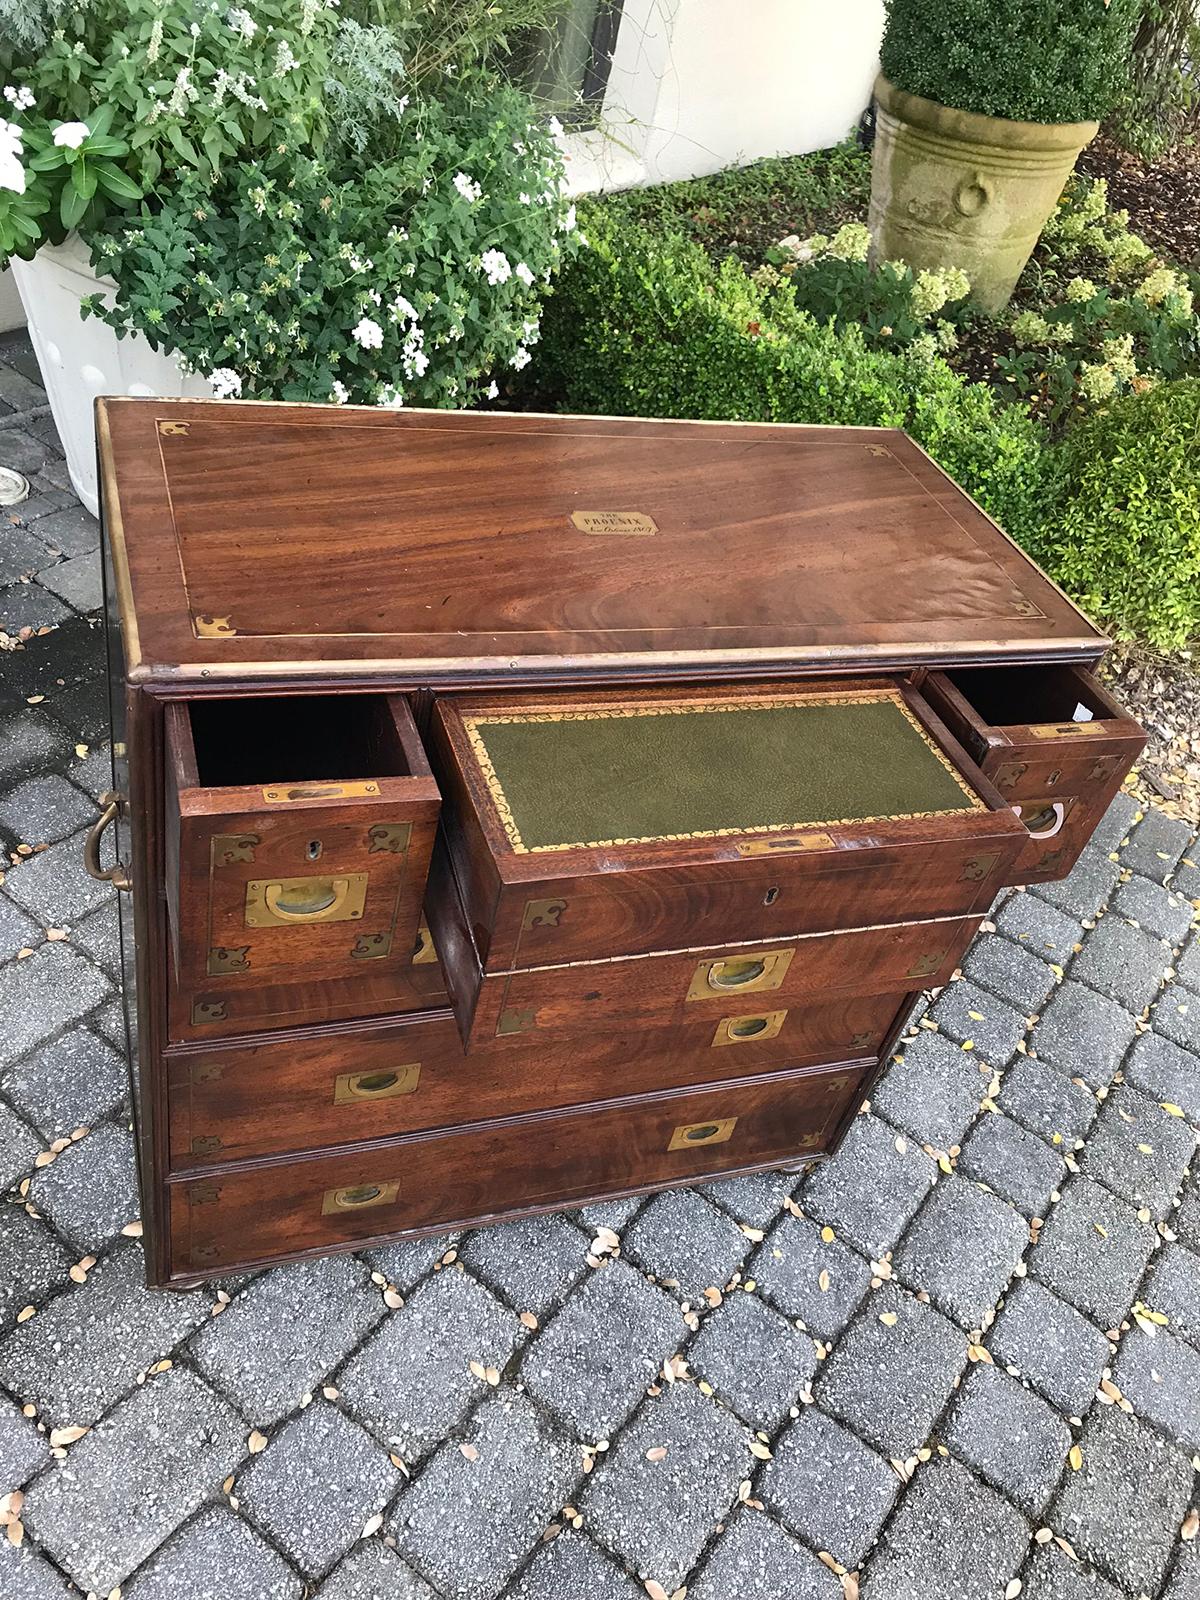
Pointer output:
x,y
349,1087
740,1030
285,902
751,973
357,1197
688,1134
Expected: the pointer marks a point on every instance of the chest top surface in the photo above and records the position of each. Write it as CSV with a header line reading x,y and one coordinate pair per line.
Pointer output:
x,y
259,541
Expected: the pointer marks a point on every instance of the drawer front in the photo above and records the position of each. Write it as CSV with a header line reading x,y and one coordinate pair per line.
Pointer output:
x,y
244,1215
688,818
715,984
290,1093
274,886
1058,774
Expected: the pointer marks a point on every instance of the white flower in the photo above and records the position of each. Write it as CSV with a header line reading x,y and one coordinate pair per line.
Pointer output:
x,y
20,98
403,308
495,266
524,198
71,134
226,385
340,392
568,221
466,186
493,390
183,94
12,173
154,43
556,128
368,334
523,272
194,30
285,61
521,359
529,332
240,20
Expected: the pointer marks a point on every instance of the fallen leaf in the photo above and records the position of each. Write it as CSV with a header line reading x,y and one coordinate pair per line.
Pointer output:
x,y
65,1436
256,1442
1075,1457
659,1453
469,1451
1191,1525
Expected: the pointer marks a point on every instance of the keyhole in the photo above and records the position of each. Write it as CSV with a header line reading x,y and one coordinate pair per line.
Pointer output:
x,y
770,897
314,849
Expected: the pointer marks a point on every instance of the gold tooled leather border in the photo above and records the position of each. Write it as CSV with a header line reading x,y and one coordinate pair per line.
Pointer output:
x,y
473,723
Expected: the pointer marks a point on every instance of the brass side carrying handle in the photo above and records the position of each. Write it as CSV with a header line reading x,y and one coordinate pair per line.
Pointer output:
x,y
116,874
324,898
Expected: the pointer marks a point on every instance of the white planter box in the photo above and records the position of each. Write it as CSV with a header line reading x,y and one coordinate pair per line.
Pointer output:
x,y
80,360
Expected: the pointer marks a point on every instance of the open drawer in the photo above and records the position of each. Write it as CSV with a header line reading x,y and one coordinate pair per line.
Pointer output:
x,y
1054,743
299,830
590,826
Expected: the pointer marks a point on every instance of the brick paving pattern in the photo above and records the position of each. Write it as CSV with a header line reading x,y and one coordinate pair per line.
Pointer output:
x,y
963,1353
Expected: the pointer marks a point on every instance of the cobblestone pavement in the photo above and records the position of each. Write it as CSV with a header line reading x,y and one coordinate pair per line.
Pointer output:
x,y
960,1360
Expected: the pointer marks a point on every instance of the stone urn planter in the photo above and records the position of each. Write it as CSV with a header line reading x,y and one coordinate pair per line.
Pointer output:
x,y
956,189
80,360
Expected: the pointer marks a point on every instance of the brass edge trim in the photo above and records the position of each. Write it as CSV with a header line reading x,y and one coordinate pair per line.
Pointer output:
x,y
114,527
472,723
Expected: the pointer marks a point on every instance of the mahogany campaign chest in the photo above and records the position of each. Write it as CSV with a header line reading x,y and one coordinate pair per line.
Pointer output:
x,y
518,811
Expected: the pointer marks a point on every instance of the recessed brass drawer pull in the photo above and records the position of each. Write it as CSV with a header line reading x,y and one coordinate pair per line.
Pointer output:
x,y
358,1197
688,1134
747,974
738,1030
1046,820
351,1086
275,902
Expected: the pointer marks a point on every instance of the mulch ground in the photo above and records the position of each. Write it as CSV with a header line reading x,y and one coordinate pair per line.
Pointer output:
x,y
1162,197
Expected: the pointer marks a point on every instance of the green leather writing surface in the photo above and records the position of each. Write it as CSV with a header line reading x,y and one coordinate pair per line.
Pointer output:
x,y
690,770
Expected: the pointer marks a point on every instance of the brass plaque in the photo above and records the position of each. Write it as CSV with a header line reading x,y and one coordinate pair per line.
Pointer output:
x,y
688,1134
751,972
298,902
628,524
358,1197
282,794
1061,730
740,1030
349,1087
780,844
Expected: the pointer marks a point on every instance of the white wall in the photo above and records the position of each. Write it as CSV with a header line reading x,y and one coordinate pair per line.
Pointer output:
x,y
698,85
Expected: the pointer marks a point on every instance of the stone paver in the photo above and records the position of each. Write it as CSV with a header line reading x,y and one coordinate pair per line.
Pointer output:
x,y
1122,1510
756,1560
656,1514
411,1383
315,1486
754,1359
1042,1338
1011,1437
594,1360
132,1480
501,1499
1093,1251
814,1453
229,1554
339,1381
283,1332
889,1380
951,1539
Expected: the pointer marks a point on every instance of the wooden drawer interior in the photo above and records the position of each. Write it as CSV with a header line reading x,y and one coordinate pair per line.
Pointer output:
x,y
299,830
250,1213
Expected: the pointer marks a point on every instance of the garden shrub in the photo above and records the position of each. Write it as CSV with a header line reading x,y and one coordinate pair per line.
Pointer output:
x,y
1125,540
1031,60
643,326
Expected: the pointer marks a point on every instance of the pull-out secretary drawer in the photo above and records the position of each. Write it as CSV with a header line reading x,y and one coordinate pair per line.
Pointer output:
x,y
299,830
242,1215
1053,741
280,1093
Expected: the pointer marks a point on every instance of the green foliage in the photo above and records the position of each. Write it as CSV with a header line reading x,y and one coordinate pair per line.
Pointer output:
x,y
402,281
1160,102
1125,539
642,326
1030,60
747,209
1103,316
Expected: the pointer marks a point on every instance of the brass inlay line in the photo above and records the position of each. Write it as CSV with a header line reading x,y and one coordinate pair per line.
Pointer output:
x,y
472,725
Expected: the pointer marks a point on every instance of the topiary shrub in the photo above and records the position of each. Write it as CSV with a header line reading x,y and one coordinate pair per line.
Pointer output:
x,y
640,326
1029,60
1125,540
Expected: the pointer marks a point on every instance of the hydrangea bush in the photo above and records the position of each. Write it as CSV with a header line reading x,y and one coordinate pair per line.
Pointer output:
x,y
301,202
